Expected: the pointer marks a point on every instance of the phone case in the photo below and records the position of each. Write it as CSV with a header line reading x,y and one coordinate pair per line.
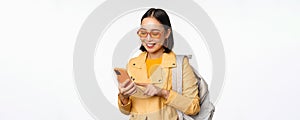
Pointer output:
x,y
122,75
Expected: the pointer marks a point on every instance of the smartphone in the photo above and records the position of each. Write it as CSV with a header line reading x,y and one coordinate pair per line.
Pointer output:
x,y
122,74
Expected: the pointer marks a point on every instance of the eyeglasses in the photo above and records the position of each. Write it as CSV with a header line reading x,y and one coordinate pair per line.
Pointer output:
x,y
142,33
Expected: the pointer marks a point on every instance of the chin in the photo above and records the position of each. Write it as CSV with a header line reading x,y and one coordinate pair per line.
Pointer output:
x,y
150,50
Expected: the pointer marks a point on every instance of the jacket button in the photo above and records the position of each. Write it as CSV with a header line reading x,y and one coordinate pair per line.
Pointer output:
x,y
173,64
133,63
159,80
133,79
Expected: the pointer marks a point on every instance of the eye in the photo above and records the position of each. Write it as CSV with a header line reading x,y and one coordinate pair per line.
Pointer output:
x,y
155,33
142,33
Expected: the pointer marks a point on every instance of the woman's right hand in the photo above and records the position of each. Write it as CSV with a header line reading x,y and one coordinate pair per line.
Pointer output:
x,y
127,88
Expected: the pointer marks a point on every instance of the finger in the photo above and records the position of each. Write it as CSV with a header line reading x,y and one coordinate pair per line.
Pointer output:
x,y
150,88
125,83
130,86
149,93
146,91
135,90
152,93
130,91
119,87
121,90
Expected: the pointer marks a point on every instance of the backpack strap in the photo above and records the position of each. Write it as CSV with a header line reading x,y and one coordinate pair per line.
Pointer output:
x,y
177,73
177,78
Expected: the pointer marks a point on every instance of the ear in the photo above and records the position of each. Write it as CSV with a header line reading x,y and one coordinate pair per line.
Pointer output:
x,y
168,33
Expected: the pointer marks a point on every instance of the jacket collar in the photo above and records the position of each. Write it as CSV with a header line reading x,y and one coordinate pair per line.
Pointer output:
x,y
168,59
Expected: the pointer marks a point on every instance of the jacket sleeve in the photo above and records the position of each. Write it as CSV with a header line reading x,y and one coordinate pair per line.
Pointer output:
x,y
125,109
188,102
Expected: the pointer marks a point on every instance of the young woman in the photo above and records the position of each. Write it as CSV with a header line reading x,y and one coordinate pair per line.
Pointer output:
x,y
152,70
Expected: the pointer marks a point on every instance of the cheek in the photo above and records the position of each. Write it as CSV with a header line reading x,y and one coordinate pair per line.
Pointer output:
x,y
144,44
158,46
161,40
163,37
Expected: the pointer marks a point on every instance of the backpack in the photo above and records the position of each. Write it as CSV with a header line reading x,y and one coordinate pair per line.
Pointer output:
x,y
206,107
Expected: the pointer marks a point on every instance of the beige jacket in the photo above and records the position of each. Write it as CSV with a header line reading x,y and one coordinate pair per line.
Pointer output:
x,y
158,108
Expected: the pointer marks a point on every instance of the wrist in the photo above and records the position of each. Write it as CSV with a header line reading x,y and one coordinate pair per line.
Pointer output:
x,y
123,96
165,93
124,100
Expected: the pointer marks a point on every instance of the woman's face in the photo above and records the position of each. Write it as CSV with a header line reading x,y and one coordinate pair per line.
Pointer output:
x,y
152,34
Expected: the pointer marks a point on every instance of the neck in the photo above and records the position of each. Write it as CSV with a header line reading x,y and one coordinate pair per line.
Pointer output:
x,y
156,54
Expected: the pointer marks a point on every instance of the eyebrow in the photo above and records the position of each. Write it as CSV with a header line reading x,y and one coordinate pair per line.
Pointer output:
x,y
151,29
155,29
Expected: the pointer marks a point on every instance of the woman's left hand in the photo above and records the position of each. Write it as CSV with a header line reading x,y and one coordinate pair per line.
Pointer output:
x,y
152,90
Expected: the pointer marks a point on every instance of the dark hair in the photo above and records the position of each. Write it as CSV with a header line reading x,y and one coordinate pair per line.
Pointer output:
x,y
161,16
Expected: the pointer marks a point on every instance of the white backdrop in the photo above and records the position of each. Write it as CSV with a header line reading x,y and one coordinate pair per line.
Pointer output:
x,y
261,41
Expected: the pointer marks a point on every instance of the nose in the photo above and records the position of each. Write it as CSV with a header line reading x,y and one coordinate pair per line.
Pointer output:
x,y
148,37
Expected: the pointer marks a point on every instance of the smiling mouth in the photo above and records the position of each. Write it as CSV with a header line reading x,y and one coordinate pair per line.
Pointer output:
x,y
150,45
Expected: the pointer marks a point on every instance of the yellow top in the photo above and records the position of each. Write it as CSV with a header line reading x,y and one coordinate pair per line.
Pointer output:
x,y
152,65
